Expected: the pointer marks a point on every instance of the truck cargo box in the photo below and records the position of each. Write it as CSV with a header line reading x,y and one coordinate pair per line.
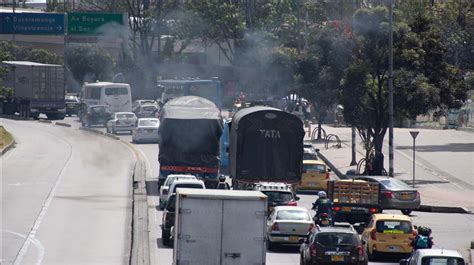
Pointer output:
x,y
217,227
266,144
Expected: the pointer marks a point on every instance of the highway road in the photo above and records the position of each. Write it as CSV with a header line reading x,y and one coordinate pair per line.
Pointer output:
x,y
453,231
66,197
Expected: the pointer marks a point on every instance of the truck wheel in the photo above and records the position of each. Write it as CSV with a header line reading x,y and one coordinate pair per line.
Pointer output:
x,y
165,237
406,212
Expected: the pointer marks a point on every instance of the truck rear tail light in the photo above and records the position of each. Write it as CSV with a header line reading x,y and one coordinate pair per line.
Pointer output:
x,y
292,203
337,208
275,227
312,250
360,251
373,234
388,194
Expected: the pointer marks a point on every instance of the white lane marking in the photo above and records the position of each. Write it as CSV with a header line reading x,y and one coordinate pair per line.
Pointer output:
x,y
44,210
18,184
35,242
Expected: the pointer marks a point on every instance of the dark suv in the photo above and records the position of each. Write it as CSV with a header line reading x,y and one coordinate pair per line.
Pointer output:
x,y
333,245
96,115
168,220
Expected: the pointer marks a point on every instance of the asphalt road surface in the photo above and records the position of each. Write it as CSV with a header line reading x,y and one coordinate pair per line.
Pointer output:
x,y
451,231
66,197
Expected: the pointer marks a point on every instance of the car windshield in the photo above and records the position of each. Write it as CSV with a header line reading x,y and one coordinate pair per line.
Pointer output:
x,y
394,184
148,108
98,109
394,227
314,168
278,196
125,116
148,123
442,261
310,156
292,215
188,186
109,91
336,239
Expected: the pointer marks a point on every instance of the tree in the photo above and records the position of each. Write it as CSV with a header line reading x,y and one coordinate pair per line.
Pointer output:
x,y
423,78
321,67
89,63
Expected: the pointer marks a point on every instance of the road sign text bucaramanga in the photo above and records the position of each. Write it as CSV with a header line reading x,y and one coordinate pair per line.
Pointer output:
x,y
92,23
32,23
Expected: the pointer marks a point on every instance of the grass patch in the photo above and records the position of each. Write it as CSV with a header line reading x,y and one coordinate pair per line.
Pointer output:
x,y
5,137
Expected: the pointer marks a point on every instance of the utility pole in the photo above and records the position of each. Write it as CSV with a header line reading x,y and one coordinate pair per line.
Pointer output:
x,y
413,135
353,129
390,89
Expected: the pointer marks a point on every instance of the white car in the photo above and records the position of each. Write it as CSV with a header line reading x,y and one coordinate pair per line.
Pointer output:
x,y
122,121
185,183
287,225
147,111
434,256
146,130
165,187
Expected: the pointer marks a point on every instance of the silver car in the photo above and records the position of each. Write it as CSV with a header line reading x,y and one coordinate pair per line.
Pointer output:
x,y
165,187
396,194
287,225
434,256
122,121
146,130
147,111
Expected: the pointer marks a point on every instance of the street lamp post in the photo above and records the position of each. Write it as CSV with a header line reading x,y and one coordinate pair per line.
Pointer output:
x,y
414,134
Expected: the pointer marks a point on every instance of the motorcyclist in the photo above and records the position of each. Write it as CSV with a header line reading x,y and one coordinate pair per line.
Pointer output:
x,y
322,205
422,239
222,185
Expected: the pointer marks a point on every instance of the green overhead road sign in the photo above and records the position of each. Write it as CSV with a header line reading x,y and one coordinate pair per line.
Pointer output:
x,y
92,23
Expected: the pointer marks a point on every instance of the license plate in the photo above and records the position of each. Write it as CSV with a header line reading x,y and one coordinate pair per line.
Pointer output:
x,y
406,196
293,239
311,184
346,209
393,248
337,258
325,222
150,130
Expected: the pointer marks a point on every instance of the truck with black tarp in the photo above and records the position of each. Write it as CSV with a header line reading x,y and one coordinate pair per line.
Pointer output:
x,y
266,144
36,89
189,139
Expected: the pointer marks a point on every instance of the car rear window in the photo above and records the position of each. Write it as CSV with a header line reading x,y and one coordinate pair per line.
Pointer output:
x,y
148,108
442,261
275,196
148,122
314,168
395,184
188,186
336,239
125,116
394,227
292,215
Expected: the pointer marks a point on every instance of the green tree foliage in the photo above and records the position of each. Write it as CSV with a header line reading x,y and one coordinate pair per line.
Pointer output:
x,y
89,63
321,66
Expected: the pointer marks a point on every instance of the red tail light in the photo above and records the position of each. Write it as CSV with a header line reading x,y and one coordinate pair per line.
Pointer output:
x,y
414,233
373,235
324,215
373,210
337,208
360,251
275,227
327,175
388,194
311,227
417,195
312,250
292,203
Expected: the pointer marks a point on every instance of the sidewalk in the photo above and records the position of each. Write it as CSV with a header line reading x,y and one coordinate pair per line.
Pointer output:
x,y
437,187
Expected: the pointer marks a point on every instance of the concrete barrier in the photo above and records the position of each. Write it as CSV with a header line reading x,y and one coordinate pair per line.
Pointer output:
x,y
62,124
442,209
91,130
113,136
45,121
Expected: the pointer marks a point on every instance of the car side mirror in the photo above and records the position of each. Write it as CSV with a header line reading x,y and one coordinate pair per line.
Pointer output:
x,y
301,241
329,170
404,262
297,198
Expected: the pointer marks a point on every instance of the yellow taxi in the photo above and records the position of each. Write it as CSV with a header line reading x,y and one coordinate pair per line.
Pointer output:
x,y
388,233
315,175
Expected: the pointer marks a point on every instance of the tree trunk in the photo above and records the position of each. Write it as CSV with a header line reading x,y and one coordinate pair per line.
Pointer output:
x,y
321,117
378,163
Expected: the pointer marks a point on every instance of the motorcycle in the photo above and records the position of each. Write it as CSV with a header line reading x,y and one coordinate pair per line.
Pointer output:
x,y
323,219
422,238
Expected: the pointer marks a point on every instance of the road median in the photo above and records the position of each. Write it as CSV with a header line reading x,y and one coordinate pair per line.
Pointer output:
x,y
6,140
62,124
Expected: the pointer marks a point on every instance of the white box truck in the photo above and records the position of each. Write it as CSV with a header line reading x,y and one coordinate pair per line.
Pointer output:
x,y
219,227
